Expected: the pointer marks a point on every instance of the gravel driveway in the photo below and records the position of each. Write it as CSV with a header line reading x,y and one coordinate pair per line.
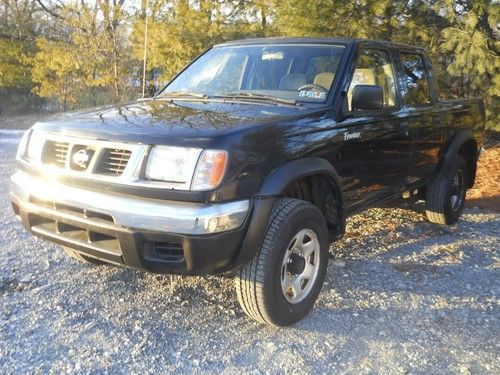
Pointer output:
x,y
402,296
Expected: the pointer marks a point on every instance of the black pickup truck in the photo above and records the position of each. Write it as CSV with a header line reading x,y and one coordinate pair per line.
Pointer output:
x,y
250,160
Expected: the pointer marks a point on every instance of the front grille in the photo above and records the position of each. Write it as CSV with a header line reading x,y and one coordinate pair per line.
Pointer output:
x,y
113,161
55,153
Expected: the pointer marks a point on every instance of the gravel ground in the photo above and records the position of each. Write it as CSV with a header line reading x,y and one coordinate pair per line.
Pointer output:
x,y
402,296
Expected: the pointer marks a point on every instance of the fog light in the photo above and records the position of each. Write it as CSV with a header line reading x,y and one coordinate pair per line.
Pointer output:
x,y
213,223
218,221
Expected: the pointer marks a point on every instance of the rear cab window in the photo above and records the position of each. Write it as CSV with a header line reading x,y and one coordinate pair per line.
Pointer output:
x,y
416,78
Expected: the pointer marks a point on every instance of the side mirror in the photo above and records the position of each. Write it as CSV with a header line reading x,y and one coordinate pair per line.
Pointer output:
x,y
367,97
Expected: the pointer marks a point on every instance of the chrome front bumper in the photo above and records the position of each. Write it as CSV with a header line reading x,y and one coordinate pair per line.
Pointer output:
x,y
131,212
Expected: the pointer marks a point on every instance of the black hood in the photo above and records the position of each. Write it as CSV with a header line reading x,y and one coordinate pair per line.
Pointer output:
x,y
186,123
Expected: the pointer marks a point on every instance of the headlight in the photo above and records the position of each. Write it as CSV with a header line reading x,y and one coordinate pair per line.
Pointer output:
x,y
194,168
35,145
21,149
210,170
172,164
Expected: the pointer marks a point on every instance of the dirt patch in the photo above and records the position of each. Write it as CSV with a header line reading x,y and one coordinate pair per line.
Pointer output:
x,y
486,191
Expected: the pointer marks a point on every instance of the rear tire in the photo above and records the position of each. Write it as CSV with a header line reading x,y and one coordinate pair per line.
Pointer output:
x,y
82,258
282,282
445,198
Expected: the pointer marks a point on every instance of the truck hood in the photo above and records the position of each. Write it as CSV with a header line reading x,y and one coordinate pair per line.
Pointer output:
x,y
182,123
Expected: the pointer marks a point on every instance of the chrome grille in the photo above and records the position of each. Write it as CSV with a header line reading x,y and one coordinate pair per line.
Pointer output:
x,y
113,161
108,161
55,153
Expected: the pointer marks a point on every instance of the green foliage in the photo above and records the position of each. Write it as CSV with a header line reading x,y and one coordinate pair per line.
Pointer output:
x,y
14,72
57,69
94,56
180,30
472,43
319,18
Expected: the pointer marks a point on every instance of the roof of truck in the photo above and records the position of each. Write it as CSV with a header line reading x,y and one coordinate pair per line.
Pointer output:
x,y
286,40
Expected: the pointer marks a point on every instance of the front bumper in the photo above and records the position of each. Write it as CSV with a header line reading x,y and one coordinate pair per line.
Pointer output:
x,y
157,235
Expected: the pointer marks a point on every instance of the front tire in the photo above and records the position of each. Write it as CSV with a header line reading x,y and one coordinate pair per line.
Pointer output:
x,y
281,283
445,198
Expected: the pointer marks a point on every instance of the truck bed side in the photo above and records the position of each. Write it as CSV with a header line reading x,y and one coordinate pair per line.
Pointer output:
x,y
465,115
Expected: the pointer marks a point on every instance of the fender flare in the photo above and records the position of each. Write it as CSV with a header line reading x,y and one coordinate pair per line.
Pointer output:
x,y
279,178
453,147
273,185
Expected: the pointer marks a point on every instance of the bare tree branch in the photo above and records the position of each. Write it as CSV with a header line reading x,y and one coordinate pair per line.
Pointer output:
x,y
49,11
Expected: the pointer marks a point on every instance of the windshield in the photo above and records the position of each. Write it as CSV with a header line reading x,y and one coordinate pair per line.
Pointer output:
x,y
302,72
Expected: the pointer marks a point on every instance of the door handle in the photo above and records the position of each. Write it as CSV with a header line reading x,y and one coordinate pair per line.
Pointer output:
x,y
405,126
436,120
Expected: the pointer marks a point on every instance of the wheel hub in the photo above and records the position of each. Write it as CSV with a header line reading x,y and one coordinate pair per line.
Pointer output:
x,y
296,264
456,190
300,266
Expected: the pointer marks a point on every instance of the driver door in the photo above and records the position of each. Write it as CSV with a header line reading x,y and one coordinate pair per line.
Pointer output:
x,y
375,145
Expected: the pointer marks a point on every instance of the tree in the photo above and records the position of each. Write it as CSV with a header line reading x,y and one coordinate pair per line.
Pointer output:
x,y
472,42
179,30
19,26
94,58
13,71
321,18
57,71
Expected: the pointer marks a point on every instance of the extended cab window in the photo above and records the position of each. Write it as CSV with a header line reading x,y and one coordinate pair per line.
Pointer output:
x,y
374,67
417,81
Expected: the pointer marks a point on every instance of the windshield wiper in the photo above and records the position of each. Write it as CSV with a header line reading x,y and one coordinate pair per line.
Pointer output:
x,y
181,94
257,96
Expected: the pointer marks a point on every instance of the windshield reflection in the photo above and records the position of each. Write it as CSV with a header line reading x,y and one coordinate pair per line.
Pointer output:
x,y
293,73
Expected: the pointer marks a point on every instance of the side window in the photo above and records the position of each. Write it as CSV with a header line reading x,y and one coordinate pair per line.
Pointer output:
x,y
374,67
417,81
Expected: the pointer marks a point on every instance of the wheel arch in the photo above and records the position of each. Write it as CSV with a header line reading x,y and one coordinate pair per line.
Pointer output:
x,y
463,144
281,177
324,183
311,179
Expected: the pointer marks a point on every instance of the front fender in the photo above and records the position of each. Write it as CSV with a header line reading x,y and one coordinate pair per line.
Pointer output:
x,y
272,187
279,178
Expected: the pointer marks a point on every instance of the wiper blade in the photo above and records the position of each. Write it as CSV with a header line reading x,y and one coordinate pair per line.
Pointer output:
x,y
256,96
181,94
